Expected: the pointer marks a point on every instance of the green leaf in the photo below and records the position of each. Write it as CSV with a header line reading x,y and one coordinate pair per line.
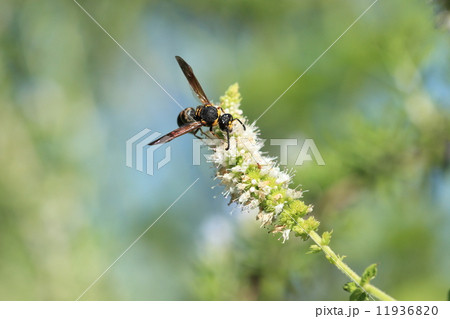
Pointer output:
x,y
314,249
326,237
358,295
350,286
368,274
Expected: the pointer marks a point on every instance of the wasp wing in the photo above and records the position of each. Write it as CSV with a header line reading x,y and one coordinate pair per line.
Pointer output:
x,y
193,82
178,132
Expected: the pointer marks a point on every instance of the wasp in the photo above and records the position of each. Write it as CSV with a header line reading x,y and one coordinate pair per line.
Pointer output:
x,y
191,120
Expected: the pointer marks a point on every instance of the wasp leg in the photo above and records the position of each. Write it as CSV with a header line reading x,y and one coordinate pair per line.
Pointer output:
x,y
228,140
212,132
195,133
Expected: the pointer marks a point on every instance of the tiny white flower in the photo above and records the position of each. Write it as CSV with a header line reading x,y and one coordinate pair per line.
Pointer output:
x,y
277,196
236,169
294,193
266,189
279,208
254,203
274,171
244,197
227,177
266,218
285,234
283,178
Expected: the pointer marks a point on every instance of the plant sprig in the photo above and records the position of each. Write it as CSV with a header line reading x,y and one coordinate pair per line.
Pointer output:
x,y
256,183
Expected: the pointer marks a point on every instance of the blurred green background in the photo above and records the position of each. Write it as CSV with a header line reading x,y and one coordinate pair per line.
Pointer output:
x,y
377,106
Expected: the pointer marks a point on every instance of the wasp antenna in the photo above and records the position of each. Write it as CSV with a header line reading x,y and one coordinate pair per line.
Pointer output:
x,y
240,122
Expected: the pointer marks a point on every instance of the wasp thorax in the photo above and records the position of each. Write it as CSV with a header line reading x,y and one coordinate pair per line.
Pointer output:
x,y
208,114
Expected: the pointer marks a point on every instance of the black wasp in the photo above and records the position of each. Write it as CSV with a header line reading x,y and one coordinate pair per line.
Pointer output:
x,y
191,120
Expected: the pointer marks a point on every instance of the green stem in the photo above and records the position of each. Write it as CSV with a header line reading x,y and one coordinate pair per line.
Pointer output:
x,y
331,255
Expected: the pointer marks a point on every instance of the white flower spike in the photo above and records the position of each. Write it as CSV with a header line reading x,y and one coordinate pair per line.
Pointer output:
x,y
254,180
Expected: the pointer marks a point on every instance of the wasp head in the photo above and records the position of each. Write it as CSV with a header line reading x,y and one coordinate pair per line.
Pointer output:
x,y
225,122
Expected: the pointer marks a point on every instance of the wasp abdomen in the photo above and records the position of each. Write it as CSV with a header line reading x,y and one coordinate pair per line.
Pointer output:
x,y
186,116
